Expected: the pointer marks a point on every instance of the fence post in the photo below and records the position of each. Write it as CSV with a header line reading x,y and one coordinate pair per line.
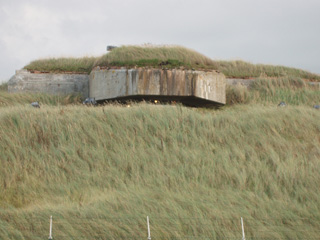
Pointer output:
x,y
50,230
243,236
149,235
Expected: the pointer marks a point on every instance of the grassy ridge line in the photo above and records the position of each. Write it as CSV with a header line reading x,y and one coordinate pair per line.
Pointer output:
x,y
125,54
173,163
169,56
241,69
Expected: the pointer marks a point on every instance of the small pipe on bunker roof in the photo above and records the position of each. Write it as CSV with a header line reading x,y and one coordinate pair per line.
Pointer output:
x,y
110,48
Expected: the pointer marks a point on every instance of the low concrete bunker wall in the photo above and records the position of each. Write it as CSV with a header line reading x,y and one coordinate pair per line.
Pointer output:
x,y
190,87
25,81
174,84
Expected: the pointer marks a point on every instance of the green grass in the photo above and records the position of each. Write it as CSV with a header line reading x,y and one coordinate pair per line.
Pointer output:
x,y
101,170
166,57
132,54
79,65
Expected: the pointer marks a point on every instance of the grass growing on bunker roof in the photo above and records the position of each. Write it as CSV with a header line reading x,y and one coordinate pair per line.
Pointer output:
x,y
58,65
134,54
166,57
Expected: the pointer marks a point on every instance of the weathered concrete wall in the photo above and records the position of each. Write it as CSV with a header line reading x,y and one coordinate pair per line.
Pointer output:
x,y
191,87
239,81
314,84
24,81
121,83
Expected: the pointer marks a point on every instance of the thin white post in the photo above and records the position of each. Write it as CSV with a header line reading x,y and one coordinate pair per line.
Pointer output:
x,y
243,236
149,235
50,231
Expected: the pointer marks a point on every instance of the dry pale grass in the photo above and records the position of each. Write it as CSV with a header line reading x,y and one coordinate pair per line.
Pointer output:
x,y
101,170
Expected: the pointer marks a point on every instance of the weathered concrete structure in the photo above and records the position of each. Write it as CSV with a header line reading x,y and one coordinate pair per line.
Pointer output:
x,y
195,88
25,81
239,81
189,87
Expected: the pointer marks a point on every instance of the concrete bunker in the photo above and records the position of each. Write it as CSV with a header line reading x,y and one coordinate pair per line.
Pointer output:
x,y
193,88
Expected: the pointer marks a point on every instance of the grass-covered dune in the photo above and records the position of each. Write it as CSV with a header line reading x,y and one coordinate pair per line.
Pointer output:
x,y
99,171
166,57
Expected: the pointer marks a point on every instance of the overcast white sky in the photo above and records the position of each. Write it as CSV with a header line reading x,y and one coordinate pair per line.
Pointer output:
x,y
282,32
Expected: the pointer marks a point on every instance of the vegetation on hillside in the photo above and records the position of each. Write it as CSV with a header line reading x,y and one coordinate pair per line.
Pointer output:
x,y
241,69
4,86
166,57
101,170
293,91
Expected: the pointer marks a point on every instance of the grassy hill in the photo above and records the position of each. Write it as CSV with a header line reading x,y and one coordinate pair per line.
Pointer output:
x,y
99,171
166,57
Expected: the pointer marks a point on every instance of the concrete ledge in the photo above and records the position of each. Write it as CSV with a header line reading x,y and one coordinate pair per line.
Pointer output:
x,y
193,87
25,81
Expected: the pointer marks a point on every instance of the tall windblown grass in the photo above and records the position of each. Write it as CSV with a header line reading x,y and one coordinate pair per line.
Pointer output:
x,y
100,171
